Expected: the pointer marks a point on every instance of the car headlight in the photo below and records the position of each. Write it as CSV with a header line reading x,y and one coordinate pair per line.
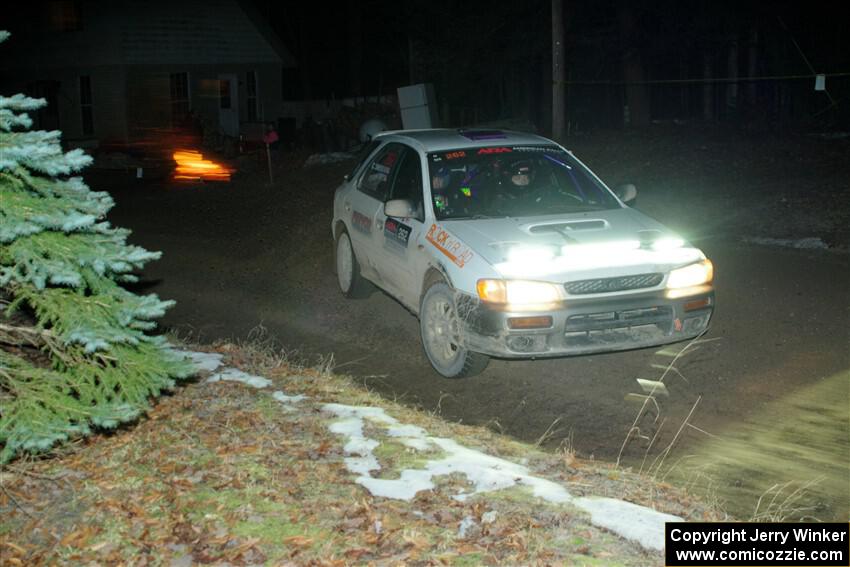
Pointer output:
x,y
519,293
692,275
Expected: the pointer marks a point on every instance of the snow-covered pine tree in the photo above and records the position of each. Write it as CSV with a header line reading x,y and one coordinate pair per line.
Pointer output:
x,y
74,352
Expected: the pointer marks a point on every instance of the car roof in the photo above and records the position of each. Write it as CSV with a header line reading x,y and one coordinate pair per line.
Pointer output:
x,y
441,139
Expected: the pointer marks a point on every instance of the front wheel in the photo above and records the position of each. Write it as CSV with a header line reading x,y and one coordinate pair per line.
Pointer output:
x,y
441,331
351,283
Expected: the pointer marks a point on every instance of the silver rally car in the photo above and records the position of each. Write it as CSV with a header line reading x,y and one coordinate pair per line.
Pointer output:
x,y
505,245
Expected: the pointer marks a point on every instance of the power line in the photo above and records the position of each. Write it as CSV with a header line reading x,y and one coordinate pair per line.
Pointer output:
x,y
713,80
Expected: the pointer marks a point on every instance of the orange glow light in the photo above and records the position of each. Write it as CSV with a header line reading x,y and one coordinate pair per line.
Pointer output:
x,y
191,166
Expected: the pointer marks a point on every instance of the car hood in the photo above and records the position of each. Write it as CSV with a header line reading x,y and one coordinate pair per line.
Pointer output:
x,y
575,246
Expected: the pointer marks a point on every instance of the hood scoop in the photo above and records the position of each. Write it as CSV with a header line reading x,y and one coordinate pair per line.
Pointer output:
x,y
567,227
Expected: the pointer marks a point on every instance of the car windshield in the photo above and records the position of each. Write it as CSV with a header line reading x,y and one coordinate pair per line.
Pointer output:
x,y
512,181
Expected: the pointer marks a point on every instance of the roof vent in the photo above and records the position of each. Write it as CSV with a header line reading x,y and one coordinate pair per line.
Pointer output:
x,y
482,134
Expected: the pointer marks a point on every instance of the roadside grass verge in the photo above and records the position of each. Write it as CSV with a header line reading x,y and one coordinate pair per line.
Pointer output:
x,y
224,473
786,462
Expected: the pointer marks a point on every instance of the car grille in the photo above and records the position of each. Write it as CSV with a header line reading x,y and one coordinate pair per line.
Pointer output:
x,y
607,285
661,315
629,326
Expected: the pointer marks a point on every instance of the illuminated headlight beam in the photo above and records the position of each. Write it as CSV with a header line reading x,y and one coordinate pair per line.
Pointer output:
x,y
519,294
691,276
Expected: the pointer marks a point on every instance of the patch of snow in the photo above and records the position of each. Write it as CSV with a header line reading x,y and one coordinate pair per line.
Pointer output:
x,y
284,399
405,487
484,472
406,431
236,375
488,473
631,521
488,517
351,427
810,243
375,414
362,446
332,157
464,526
362,465
357,444
203,361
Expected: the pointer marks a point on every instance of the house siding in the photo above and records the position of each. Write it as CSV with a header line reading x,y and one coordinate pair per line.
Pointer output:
x,y
108,103
149,95
107,85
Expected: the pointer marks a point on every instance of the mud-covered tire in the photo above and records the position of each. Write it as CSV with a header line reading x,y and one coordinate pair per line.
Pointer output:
x,y
351,283
440,330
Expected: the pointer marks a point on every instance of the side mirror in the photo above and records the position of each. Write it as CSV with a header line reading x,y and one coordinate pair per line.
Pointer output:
x,y
627,193
399,208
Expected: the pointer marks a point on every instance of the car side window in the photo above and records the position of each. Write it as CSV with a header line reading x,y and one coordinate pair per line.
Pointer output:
x,y
408,182
375,179
364,153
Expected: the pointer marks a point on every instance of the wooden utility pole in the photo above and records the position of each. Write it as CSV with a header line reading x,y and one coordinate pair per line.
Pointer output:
x,y
559,87
636,112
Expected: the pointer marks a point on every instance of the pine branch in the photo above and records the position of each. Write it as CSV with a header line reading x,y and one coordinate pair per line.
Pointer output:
x,y
18,336
14,335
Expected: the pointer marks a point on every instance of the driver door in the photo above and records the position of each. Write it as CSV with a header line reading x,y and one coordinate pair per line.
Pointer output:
x,y
398,238
367,202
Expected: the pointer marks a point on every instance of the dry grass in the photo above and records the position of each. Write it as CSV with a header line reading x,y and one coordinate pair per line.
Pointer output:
x,y
218,472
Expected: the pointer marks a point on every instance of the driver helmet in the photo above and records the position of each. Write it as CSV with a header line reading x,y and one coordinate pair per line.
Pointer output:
x,y
520,173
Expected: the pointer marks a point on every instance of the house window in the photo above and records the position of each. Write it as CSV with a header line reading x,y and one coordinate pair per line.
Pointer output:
x,y
86,105
64,15
179,98
251,87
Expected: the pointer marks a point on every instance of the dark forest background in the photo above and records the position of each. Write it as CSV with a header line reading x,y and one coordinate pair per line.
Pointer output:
x,y
664,60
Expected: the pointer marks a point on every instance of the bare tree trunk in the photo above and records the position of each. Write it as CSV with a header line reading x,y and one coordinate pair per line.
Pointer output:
x,y
304,47
752,67
558,71
411,62
708,87
355,48
637,95
732,73
684,111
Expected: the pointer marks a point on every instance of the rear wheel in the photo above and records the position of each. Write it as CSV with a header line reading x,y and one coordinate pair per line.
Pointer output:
x,y
441,331
351,283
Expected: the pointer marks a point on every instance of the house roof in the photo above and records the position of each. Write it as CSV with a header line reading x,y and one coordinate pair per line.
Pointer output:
x,y
152,32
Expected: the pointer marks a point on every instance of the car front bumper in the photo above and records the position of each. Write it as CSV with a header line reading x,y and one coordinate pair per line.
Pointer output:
x,y
584,326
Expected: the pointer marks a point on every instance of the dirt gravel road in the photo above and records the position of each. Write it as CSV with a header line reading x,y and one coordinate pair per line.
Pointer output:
x,y
245,254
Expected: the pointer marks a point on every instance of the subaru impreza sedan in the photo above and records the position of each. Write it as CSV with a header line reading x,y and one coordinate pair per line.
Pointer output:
x,y
505,245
